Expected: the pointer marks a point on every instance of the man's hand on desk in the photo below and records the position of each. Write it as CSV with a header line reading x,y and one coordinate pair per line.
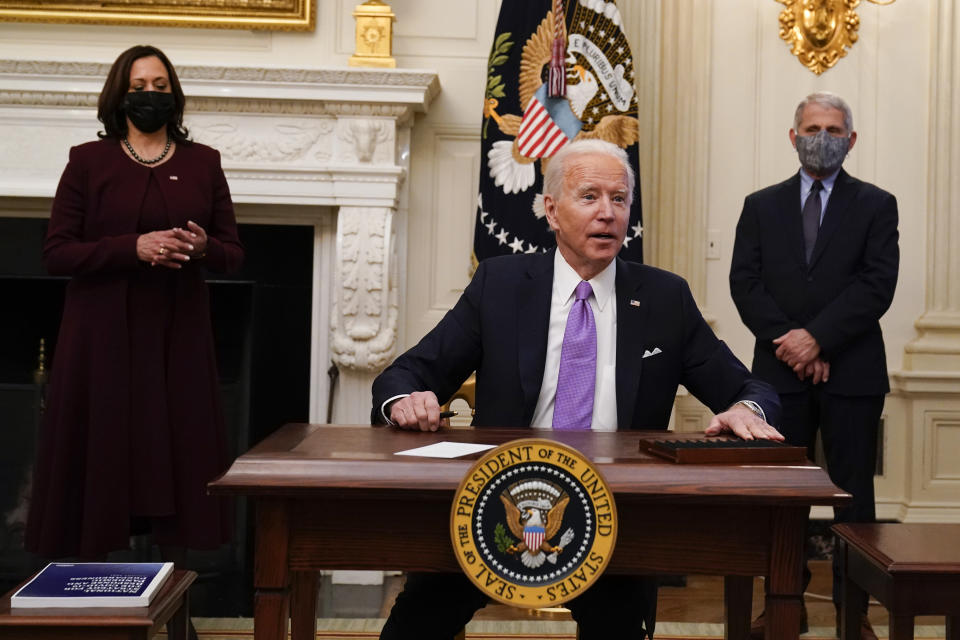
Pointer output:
x,y
742,422
418,411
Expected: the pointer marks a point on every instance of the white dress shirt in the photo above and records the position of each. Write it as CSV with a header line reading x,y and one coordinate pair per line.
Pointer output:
x,y
603,302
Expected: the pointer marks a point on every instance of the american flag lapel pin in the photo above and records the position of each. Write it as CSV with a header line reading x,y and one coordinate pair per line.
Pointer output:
x,y
634,303
174,178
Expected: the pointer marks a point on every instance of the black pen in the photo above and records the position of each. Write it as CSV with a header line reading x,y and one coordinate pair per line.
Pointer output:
x,y
448,414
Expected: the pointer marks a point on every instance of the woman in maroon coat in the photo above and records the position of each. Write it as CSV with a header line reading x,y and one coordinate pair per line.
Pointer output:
x,y
134,428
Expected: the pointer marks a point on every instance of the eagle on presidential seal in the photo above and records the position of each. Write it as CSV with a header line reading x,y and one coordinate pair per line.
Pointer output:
x,y
534,512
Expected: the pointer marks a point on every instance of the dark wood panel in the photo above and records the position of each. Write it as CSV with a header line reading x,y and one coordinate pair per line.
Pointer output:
x,y
381,533
924,594
662,538
414,536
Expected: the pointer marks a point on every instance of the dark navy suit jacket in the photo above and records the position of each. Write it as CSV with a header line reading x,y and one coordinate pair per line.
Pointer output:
x,y
838,298
499,327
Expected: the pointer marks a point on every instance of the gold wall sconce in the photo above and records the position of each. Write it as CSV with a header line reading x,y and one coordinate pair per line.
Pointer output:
x,y
820,31
374,46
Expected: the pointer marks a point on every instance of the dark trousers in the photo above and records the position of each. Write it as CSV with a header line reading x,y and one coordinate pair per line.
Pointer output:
x,y
436,606
848,429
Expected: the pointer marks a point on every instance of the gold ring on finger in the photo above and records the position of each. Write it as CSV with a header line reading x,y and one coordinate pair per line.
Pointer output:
x,y
163,250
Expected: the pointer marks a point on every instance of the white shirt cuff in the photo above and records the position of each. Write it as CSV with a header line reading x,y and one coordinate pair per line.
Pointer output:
x,y
383,408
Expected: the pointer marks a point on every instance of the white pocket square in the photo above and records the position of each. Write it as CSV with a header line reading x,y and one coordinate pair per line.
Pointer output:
x,y
647,353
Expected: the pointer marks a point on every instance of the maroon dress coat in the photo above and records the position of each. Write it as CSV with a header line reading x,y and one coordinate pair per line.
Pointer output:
x,y
134,427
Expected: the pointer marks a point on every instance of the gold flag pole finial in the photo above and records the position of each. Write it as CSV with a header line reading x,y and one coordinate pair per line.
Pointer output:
x,y
374,46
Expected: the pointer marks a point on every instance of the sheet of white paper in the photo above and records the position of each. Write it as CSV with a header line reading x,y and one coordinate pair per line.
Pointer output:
x,y
446,450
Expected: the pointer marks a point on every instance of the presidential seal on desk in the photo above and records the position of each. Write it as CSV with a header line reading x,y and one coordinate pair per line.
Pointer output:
x,y
533,523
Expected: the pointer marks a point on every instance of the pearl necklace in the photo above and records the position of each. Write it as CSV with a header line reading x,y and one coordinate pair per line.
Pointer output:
x,y
136,157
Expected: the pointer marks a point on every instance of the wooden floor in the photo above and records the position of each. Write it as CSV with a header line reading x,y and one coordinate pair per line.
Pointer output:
x,y
701,600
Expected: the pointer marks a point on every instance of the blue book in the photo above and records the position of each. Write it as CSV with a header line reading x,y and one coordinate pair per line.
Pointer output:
x,y
93,584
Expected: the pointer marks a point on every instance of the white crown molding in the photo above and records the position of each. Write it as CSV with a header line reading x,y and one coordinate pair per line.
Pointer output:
x,y
412,89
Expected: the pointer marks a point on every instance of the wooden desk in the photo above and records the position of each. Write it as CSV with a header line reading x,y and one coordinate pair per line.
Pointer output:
x,y
171,605
335,497
912,569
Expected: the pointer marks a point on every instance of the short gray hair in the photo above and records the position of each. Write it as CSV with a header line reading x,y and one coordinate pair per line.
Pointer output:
x,y
824,99
553,178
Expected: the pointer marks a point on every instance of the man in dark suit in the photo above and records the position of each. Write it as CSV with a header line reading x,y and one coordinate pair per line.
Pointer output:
x,y
511,326
814,267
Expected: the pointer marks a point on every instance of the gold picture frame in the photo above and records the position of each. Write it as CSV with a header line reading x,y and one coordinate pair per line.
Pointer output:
x,y
274,15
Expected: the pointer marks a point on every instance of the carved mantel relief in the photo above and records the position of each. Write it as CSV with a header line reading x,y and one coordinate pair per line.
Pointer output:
x,y
363,323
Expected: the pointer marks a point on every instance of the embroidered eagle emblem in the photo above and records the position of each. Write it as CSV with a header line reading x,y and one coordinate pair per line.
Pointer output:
x,y
539,132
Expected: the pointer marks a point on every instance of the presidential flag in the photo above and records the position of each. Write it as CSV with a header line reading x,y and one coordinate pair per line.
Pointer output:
x,y
531,111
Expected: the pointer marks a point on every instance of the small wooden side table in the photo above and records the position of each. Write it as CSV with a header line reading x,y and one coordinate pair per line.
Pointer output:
x,y
912,569
171,605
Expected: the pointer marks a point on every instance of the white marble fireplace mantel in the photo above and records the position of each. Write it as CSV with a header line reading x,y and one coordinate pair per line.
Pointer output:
x,y
329,146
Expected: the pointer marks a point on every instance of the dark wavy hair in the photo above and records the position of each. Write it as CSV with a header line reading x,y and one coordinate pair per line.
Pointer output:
x,y
110,105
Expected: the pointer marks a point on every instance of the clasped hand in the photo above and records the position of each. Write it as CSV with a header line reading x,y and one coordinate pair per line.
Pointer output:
x,y
172,247
800,351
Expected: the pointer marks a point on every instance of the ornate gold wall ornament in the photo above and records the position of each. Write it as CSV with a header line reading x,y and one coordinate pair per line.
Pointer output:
x,y
274,15
374,35
820,31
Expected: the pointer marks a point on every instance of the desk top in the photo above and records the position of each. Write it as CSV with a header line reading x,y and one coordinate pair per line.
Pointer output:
x,y
907,547
305,459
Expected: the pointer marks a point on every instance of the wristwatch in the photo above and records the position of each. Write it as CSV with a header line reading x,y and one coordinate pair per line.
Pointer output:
x,y
754,407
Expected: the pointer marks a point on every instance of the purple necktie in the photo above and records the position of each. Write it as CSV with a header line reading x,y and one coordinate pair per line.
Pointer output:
x,y
573,406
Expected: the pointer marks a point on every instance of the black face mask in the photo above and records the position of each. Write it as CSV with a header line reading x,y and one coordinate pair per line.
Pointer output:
x,y
149,110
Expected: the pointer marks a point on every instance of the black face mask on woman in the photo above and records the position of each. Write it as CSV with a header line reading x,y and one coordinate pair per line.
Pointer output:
x,y
149,110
